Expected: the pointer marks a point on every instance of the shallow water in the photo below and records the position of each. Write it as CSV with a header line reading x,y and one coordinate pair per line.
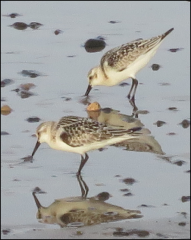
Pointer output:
x,y
62,64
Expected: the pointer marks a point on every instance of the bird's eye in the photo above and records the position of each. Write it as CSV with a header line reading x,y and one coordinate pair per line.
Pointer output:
x,y
91,77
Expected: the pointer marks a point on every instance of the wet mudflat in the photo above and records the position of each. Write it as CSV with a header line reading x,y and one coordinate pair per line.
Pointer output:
x,y
46,55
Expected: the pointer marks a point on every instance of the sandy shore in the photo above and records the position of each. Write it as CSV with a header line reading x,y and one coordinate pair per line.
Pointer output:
x,y
172,228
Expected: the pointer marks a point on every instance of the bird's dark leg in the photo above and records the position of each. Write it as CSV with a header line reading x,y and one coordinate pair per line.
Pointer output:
x,y
135,88
83,161
133,85
132,100
83,186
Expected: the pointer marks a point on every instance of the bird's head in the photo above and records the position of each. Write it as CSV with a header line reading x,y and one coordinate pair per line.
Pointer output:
x,y
94,79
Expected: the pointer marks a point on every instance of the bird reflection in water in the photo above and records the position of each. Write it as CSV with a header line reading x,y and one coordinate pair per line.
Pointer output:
x,y
82,211
144,142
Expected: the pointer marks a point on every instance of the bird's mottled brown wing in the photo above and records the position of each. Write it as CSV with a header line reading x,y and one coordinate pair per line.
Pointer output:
x,y
68,120
121,57
85,131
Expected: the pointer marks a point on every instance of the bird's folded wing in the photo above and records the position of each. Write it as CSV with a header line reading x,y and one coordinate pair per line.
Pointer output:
x,y
121,57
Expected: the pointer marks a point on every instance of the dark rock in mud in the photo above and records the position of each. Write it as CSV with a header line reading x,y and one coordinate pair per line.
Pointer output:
x,y
94,45
145,205
4,133
155,67
182,224
19,25
128,194
185,123
33,119
67,98
159,123
113,22
175,49
171,133
185,198
6,82
6,231
124,190
129,181
35,25
58,31
30,73
23,93
179,162
173,109
12,15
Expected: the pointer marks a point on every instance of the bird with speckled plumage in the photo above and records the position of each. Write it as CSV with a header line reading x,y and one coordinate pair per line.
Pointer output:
x,y
124,62
80,135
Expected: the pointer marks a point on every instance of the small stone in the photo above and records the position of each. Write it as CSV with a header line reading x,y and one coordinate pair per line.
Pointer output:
x,y
159,123
94,45
19,25
185,198
155,67
95,106
5,110
27,86
175,49
182,224
185,123
129,181
35,25
172,108
33,119
6,82
57,31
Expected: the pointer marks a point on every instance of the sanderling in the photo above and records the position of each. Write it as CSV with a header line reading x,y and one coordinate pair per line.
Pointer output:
x,y
80,135
124,62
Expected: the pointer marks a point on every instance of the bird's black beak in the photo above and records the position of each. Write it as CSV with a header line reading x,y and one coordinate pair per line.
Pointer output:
x,y
36,201
35,148
88,90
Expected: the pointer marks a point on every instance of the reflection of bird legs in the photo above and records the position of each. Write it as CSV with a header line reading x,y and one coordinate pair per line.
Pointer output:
x,y
135,108
83,186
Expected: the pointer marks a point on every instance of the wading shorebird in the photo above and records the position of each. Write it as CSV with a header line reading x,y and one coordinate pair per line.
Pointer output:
x,y
80,135
124,62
